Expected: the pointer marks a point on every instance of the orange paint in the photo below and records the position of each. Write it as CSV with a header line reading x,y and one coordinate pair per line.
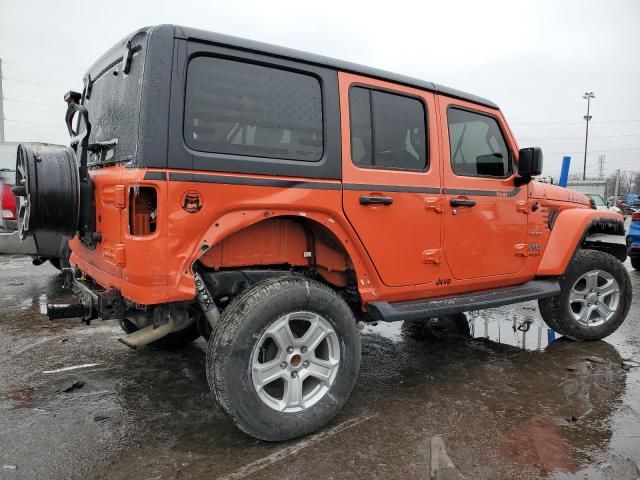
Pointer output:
x,y
418,247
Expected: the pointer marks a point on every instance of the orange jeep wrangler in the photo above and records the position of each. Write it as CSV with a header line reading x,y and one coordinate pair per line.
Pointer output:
x,y
268,199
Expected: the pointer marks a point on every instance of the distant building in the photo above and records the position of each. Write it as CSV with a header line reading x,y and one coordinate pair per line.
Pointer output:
x,y
588,186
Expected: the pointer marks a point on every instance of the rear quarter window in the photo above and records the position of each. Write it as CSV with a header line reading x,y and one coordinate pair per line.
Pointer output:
x,y
238,108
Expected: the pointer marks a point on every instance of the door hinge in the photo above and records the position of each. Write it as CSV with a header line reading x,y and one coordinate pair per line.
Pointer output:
x,y
432,256
434,204
527,207
528,249
115,195
120,196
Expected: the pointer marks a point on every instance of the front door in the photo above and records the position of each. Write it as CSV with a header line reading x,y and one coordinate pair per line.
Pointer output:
x,y
485,212
391,177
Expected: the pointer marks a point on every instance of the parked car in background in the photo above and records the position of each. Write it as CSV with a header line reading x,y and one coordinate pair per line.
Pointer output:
x,y
598,202
621,201
43,246
633,240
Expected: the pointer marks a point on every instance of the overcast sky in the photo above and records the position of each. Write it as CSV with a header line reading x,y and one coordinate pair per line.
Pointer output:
x,y
533,58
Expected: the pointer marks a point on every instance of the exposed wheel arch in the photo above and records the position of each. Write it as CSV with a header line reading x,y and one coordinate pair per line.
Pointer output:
x,y
284,241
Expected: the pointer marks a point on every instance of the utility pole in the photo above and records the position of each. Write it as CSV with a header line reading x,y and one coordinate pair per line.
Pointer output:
x,y
587,96
601,166
615,194
1,106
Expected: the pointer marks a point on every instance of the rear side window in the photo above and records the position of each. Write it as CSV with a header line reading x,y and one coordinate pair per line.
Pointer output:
x,y
478,148
241,108
387,130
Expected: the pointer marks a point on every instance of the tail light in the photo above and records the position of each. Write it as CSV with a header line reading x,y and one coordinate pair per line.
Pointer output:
x,y
8,201
635,217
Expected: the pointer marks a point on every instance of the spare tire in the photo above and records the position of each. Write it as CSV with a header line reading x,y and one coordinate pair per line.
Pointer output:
x,y
48,190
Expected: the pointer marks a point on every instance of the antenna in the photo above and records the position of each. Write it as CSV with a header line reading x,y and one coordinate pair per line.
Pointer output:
x,y
601,162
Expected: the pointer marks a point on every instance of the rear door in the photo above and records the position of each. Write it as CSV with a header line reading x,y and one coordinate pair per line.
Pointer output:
x,y
485,212
391,176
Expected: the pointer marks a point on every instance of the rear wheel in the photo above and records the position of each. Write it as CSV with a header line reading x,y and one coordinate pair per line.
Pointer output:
x,y
594,300
635,262
284,358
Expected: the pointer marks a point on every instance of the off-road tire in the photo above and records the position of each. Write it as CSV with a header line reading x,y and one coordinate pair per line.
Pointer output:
x,y
241,326
555,310
635,262
173,341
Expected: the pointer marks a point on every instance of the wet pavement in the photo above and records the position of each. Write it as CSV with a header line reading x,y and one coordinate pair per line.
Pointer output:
x,y
513,405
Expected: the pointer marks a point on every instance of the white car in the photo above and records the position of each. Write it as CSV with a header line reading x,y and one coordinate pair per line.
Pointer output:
x,y
600,204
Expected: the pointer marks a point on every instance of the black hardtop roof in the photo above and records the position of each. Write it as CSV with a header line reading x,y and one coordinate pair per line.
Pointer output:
x,y
189,33
251,45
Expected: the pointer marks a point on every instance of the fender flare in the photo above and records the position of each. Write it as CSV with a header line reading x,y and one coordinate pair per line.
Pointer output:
x,y
570,230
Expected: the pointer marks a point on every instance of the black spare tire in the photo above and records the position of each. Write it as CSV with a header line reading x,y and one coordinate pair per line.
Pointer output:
x,y
48,190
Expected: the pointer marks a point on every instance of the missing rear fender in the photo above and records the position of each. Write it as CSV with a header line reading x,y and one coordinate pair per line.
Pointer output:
x,y
224,285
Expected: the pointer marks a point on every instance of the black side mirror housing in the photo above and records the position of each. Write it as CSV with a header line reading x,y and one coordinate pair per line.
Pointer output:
x,y
529,164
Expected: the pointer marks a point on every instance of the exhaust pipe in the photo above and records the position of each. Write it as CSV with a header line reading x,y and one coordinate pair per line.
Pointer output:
x,y
149,334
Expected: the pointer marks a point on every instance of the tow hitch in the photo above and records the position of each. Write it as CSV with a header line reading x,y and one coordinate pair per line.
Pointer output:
x,y
94,302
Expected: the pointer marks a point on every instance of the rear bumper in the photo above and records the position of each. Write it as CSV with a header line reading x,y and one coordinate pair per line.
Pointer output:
x,y
93,301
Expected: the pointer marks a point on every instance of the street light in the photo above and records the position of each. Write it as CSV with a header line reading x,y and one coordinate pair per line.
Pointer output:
x,y
587,96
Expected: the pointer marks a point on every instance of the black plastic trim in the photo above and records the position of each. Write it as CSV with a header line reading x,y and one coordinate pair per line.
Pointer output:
x,y
155,176
361,187
421,309
257,182
482,193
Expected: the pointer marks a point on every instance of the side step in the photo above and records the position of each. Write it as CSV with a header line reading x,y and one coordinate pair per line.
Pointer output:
x,y
465,302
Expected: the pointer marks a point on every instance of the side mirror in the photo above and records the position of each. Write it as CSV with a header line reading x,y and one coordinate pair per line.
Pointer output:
x,y
529,164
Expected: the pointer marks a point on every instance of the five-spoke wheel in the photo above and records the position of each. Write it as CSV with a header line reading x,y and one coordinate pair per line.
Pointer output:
x,y
594,299
295,362
284,357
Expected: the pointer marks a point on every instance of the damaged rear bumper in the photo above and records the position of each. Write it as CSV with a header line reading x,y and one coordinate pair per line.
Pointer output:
x,y
94,302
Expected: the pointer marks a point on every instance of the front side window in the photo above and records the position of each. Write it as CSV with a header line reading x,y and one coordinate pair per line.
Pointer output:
x,y
478,148
239,108
387,130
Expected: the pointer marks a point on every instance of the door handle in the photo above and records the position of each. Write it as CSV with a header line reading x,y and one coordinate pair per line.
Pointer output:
x,y
462,202
375,200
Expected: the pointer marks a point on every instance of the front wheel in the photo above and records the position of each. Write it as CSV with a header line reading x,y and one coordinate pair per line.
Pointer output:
x,y
594,300
284,358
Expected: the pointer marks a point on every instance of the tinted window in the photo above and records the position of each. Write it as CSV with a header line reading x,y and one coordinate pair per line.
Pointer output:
x,y
477,145
387,130
244,109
